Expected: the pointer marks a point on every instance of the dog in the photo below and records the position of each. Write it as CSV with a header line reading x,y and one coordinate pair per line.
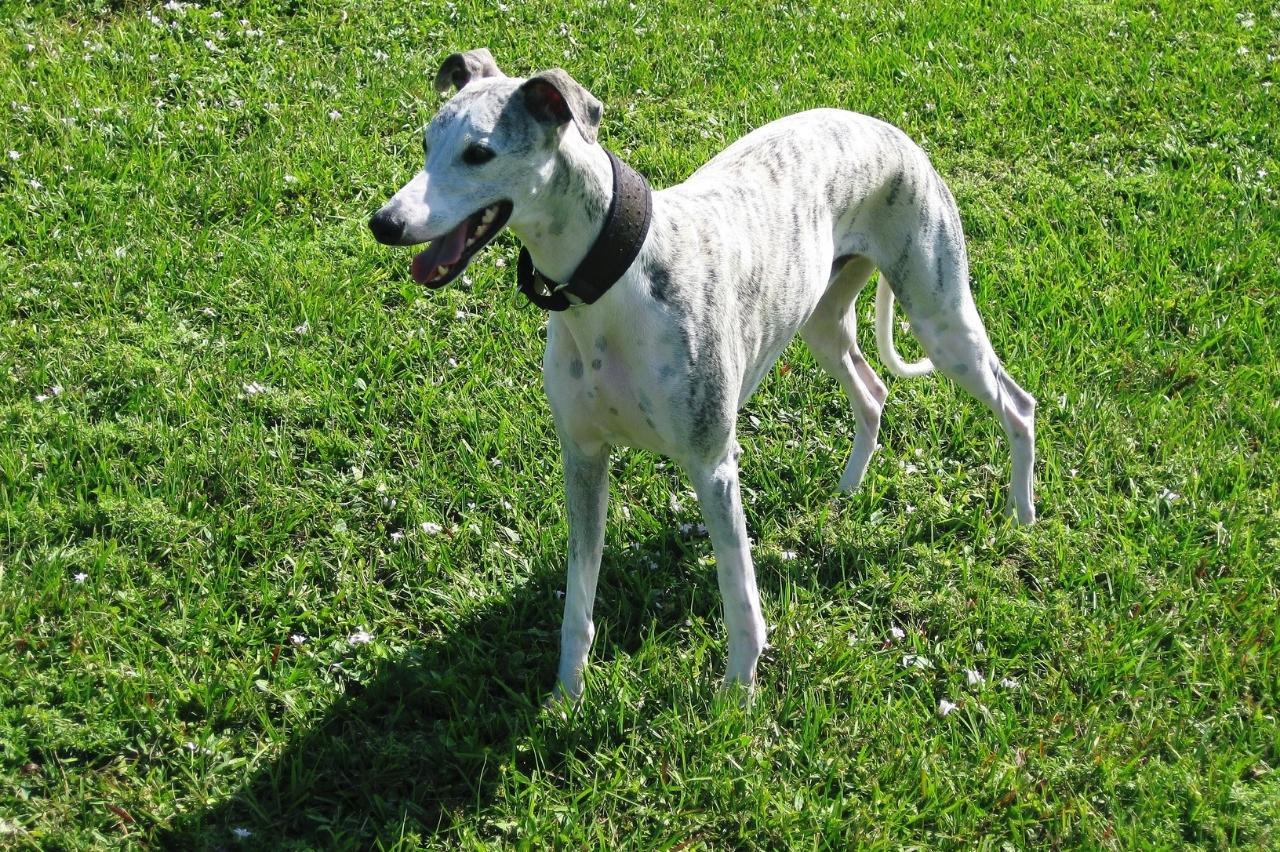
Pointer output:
x,y
776,235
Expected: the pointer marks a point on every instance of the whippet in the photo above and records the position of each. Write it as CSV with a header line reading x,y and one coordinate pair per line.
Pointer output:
x,y
777,234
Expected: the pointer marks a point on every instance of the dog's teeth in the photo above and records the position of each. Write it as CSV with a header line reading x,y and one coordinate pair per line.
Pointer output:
x,y
442,270
490,214
471,242
481,230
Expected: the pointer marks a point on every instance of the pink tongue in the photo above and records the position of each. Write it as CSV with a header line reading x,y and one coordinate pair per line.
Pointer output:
x,y
443,251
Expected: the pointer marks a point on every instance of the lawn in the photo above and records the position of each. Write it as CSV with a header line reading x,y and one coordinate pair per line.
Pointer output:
x,y
281,540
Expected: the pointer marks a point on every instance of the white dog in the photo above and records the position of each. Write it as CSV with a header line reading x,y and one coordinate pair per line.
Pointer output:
x,y
675,304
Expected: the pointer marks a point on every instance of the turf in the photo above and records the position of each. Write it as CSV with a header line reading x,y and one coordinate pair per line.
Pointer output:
x,y
280,533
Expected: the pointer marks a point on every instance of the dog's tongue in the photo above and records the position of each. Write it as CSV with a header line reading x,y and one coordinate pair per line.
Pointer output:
x,y
443,251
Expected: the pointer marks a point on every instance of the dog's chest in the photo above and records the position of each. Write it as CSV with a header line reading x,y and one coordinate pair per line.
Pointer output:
x,y
606,387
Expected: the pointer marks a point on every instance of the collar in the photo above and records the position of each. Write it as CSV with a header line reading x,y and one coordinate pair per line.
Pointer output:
x,y
613,252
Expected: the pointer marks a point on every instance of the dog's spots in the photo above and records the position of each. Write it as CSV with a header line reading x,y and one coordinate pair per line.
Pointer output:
x,y
667,372
648,421
646,404
596,364
894,185
659,282
613,410
706,408
575,368
960,369
940,274
601,343
774,173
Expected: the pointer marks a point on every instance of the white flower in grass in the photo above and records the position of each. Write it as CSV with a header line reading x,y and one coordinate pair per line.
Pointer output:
x,y
35,184
241,833
54,390
360,637
897,633
1010,683
397,536
254,388
432,528
1168,495
334,115
297,639
13,155
288,178
916,661
946,707
216,15
80,578
120,251
974,677
1245,20
379,56
304,328
790,556
1242,51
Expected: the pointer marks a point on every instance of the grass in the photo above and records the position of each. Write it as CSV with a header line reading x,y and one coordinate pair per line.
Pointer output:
x,y
226,416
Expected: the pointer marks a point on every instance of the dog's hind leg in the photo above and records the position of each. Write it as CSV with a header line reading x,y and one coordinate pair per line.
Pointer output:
x,y
932,283
831,335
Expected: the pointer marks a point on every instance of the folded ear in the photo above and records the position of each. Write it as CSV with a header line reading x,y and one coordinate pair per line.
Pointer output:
x,y
553,97
458,69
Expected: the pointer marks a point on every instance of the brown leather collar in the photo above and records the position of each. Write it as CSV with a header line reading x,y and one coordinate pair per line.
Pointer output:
x,y
625,227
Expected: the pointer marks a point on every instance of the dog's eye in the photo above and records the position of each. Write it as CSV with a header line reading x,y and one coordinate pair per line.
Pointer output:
x,y
477,154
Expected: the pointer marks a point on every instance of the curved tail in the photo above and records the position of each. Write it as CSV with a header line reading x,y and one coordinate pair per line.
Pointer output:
x,y
884,337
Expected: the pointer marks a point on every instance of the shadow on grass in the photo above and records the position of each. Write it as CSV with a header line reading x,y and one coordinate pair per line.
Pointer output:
x,y
422,739
403,748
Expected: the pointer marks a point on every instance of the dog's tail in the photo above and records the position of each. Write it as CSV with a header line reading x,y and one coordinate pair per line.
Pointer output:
x,y
884,337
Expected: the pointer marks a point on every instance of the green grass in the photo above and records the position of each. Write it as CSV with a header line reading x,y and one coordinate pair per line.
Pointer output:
x,y
184,217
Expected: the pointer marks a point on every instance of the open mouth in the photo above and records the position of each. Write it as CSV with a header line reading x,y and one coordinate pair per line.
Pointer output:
x,y
447,255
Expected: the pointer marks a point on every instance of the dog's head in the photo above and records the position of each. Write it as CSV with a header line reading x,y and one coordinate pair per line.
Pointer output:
x,y
488,153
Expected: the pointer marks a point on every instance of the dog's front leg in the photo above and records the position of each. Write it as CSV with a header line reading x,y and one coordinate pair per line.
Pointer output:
x,y
586,485
716,484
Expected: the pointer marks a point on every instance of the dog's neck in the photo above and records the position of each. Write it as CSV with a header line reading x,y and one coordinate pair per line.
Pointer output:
x,y
568,215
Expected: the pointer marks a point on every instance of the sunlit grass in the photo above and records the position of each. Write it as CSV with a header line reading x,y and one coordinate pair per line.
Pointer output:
x,y
281,536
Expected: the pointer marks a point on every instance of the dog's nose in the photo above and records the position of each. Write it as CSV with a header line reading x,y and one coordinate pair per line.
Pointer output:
x,y
386,227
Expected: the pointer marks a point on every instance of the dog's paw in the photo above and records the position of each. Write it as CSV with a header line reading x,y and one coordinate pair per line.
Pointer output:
x,y
562,701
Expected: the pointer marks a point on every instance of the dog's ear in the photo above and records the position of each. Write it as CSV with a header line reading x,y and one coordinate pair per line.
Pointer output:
x,y
458,69
553,97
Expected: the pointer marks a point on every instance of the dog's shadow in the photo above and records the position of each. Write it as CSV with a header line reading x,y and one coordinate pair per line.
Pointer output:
x,y
426,736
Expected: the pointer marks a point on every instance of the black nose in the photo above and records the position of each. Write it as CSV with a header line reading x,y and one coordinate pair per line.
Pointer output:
x,y
386,227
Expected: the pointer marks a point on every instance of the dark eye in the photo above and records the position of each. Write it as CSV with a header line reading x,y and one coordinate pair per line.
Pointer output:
x,y
477,154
